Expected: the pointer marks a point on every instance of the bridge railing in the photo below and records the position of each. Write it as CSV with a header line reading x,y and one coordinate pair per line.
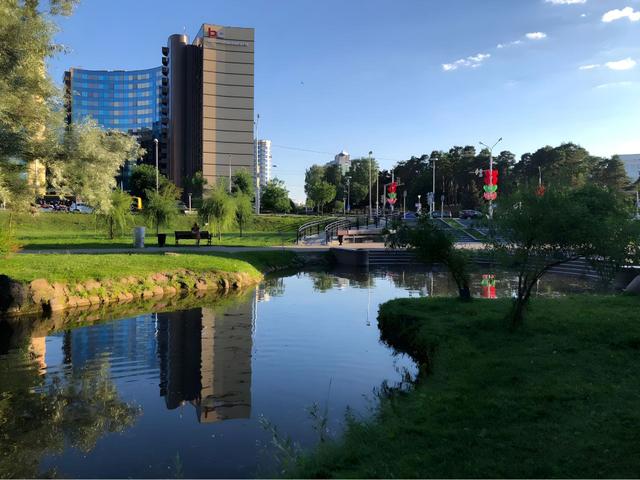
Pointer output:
x,y
331,230
312,228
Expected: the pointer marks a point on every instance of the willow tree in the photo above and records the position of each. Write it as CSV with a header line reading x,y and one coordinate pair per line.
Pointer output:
x,y
218,210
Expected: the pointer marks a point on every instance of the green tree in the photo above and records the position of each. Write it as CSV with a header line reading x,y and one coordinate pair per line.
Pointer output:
x,y
243,182
275,197
432,244
359,174
535,233
218,209
143,178
90,161
611,173
161,208
244,211
116,214
30,112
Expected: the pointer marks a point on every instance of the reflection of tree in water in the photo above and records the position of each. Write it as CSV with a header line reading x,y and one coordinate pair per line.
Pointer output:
x,y
340,278
74,408
271,287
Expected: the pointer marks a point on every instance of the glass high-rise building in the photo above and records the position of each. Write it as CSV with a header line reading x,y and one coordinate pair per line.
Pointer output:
x,y
121,100
124,100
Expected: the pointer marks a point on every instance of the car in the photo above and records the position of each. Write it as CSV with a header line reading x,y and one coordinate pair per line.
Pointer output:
x,y
470,214
81,208
182,208
439,214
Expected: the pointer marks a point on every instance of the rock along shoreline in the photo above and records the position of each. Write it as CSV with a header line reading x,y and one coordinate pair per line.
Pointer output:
x,y
43,297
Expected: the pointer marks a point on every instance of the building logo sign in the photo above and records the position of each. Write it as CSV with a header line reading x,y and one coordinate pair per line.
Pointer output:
x,y
211,33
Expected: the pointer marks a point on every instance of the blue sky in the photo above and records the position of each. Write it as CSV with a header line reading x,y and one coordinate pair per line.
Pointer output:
x,y
401,77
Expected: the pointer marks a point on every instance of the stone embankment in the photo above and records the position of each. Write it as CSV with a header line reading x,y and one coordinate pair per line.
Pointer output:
x,y
42,296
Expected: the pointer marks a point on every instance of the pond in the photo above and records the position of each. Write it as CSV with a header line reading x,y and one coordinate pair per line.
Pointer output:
x,y
210,390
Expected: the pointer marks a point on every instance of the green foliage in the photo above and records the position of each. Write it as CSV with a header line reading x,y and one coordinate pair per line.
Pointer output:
x,y
218,210
275,197
161,208
90,161
143,178
359,180
535,233
432,244
29,117
243,182
244,211
195,185
117,214
536,403
75,408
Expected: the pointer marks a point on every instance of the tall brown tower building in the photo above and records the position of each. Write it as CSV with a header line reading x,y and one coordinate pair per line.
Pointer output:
x,y
208,104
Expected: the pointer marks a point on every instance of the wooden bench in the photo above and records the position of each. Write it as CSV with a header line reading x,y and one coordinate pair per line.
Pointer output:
x,y
189,235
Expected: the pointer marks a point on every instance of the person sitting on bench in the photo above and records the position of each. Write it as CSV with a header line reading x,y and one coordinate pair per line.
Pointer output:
x,y
196,232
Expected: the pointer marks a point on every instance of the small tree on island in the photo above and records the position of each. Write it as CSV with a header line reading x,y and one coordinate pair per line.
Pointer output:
x,y
534,233
218,210
432,244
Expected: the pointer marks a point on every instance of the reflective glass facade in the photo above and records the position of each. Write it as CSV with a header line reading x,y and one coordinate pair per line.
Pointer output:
x,y
122,100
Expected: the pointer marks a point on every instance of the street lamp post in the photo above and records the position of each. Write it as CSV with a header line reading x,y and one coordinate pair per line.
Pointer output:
x,y
349,194
155,141
433,189
491,169
370,153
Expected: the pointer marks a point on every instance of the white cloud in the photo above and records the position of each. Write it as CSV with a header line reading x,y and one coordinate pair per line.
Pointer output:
x,y
565,2
536,35
625,64
583,15
510,44
589,67
617,14
615,85
472,61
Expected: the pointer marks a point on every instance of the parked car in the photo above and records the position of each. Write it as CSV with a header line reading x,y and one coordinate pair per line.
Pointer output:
x,y
470,214
444,214
81,208
182,208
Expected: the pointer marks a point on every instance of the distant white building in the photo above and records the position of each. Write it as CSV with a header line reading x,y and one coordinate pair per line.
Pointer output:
x,y
264,161
632,165
343,160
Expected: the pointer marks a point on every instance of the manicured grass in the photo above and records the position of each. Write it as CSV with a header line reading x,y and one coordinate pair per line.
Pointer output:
x,y
79,267
69,231
558,398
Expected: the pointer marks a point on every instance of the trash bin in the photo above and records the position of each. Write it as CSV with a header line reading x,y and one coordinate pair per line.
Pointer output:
x,y
138,237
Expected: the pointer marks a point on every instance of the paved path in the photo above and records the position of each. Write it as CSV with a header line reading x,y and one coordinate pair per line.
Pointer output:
x,y
312,248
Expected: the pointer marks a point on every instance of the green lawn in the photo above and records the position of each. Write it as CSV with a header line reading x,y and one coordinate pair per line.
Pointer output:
x,y
79,267
68,231
558,398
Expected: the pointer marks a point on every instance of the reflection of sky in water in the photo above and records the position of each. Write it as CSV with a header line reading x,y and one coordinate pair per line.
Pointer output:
x,y
205,377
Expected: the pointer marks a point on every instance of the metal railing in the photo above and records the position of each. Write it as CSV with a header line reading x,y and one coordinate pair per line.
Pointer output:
x,y
312,228
331,230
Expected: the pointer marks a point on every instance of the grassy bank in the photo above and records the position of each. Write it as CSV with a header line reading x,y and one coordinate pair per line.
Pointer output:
x,y
68,231
558,398
78,267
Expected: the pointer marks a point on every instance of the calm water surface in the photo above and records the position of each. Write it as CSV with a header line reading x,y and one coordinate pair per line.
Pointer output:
x,y
200,392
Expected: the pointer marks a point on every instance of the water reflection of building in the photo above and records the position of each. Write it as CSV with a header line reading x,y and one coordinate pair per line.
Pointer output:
x,y
205,360
38,350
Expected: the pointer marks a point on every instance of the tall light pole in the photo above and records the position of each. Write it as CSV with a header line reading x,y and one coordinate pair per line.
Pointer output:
x,y
433,188
491,169
349,194
155,141
377,193
370,153
257,168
